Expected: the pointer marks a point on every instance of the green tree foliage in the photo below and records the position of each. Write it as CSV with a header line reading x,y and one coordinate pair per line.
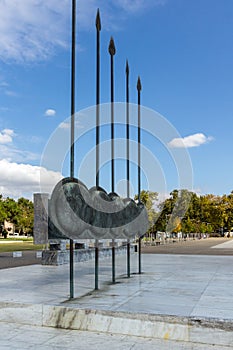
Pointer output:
x,y
149,199
3,214
25,215
188,212
11,210
19,212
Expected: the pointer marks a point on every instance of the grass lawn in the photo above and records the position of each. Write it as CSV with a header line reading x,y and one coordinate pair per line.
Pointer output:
x,y
18,244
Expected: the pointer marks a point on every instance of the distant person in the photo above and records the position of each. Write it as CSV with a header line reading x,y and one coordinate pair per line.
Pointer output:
x,y
4,233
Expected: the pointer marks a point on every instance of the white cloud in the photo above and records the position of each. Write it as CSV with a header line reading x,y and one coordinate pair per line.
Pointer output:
x,y
8,132
4,86
66,125
6,136
31,30
50,112
11,152
18,180
190,141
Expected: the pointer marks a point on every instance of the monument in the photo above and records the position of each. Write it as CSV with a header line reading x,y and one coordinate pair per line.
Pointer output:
x,y
75,212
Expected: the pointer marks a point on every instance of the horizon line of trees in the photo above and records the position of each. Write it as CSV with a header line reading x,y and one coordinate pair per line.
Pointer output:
x,y
183,211
188,212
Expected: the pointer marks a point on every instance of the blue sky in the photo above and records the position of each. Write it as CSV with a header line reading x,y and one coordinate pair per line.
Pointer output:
x,y
182,50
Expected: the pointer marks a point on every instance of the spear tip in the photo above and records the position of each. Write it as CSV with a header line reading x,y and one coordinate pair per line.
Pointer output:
x,y
111,48
98,21
139,85
127,67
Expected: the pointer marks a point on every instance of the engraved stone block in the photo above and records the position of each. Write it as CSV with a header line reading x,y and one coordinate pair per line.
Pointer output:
x,y
40,231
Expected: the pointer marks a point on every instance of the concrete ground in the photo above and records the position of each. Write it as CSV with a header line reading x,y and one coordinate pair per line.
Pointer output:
x,y
193,247
22,337
178,302
28,258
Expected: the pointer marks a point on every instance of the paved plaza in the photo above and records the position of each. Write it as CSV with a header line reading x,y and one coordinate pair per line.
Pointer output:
x,y
178,302
210,246
22,337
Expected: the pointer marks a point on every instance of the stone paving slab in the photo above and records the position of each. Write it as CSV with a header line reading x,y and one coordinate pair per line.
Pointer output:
x,y
166,280
187,298
192,247
225,245
23,337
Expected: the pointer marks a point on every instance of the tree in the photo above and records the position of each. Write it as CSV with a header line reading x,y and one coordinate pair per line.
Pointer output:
x,y
11,210
20,213
3,214
149,198
25,215
172,211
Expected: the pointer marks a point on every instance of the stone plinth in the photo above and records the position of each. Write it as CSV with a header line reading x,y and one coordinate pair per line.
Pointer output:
x,y
61,257
40,230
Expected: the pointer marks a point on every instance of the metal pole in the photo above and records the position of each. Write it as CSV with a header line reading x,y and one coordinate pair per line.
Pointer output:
x,y
72,133
98,29
112,51
139,88
127,156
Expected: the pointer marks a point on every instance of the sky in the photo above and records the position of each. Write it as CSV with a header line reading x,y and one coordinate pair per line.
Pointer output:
x,y
181,49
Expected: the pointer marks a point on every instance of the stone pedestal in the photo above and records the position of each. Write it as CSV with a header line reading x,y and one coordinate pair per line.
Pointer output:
x,y
59,257
40,230
58,244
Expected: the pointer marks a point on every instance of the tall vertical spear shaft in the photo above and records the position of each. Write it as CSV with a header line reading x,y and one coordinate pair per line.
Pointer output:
x,y
73,54
112,51
127,126
127,156
139,88
98,29
72,133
